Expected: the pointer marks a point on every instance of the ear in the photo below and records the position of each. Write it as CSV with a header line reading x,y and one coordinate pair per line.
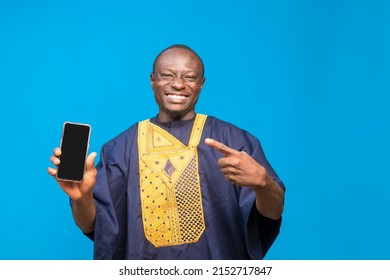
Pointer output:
x,y
202,82
152,80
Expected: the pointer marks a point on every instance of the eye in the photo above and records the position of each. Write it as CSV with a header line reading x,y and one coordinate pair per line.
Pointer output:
x,y
190,78
166,76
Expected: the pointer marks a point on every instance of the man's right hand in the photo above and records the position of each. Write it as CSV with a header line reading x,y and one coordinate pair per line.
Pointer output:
x,y
75,190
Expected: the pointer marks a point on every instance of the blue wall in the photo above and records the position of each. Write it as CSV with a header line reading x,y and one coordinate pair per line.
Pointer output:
x,y
311,79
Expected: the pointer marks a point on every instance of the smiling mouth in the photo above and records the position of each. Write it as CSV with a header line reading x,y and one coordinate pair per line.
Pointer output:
x,y
176,96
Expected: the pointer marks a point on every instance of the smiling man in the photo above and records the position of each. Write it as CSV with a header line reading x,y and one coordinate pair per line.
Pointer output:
x,y
180,185
177,79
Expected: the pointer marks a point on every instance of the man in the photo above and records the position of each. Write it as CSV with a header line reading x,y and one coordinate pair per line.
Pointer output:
x,y
180,185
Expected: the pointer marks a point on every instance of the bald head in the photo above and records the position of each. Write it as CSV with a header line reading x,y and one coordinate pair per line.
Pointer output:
x,y
180,48
177,80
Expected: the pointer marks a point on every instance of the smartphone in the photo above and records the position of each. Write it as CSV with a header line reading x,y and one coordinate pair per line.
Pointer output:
x,y
74,148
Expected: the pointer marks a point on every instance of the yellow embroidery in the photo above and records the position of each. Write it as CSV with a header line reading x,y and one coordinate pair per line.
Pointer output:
x,y
171,198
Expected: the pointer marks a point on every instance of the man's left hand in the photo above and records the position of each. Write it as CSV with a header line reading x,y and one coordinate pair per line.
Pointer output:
x,y
239,167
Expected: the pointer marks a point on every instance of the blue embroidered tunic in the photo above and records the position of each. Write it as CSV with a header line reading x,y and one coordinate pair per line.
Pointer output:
x,y
234,228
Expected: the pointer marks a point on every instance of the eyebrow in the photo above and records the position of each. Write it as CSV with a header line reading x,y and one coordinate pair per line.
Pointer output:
x,y
186,71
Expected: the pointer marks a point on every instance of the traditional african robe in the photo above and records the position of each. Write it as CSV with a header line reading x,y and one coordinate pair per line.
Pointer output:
x,y
160,194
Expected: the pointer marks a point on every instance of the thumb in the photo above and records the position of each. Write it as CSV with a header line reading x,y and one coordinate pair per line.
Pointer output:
x,y
91,161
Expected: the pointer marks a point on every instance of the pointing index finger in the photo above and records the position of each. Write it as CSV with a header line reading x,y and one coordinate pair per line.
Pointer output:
x,y
220,147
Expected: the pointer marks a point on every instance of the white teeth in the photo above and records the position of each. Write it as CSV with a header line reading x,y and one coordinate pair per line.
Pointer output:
x,y
178,97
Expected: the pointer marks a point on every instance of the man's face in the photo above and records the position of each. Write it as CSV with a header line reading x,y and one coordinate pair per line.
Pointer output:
x,y
177,81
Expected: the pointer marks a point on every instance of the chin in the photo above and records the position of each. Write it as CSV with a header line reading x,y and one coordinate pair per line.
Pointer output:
x,y
177,114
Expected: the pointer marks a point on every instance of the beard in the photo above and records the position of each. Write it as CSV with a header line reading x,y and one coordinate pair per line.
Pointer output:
x,y
177,115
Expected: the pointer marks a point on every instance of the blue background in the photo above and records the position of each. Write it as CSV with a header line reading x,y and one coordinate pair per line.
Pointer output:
x,y
310,79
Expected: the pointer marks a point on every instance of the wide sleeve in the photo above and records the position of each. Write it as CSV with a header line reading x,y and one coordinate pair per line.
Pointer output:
x,y
260,231
110,194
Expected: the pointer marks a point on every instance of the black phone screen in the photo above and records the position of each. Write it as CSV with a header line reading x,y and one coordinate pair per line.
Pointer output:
x,y
74,147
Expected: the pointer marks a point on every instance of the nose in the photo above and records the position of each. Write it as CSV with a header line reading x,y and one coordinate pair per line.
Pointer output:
x,y
178,83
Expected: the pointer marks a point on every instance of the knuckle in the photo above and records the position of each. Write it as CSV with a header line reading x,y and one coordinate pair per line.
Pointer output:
x,y
236,162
